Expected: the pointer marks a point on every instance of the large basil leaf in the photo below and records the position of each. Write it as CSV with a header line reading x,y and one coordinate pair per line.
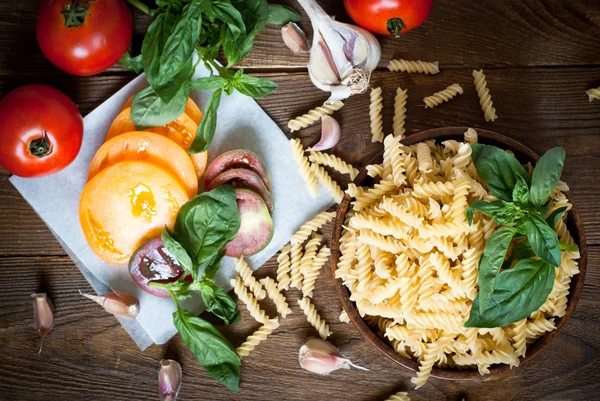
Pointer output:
x,y
522,250
498,169
209,83
207,222
518,292
546,175
226,12
520,192
213,351
489,208
132,63
180,82
208,125
489,265
280,14
254,87
213,267
255,14
553,217
177,250
219,303
543,239
148,110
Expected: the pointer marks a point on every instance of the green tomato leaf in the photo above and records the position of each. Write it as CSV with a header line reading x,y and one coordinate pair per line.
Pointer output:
x,y
543,239
489,208
207,222
254,87
177,250
489,265
132,63
520,192
519,292
209,83
219,303
213,351
546,175
148,110
553,218
281,15
498,169
208,125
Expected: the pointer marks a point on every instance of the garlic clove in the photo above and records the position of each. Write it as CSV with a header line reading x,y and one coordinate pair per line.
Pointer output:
x,y
118,303
294,38
169,380
321,357
43,313
330,134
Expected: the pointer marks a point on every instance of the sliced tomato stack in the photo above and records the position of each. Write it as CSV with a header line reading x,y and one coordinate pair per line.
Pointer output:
x,y
246,171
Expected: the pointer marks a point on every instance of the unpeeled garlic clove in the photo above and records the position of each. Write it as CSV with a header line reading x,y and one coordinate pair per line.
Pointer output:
x,y
118,303
330,134
321,357
169,379
43,313
294,38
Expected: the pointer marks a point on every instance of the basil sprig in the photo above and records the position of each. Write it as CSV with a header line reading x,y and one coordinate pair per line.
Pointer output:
x,y
203,226
509,293
179,28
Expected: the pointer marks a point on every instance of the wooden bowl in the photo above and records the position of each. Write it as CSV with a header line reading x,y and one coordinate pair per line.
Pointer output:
x,y
574,224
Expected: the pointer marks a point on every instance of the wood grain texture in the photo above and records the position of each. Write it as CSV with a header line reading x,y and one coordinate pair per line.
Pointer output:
x,y
539,58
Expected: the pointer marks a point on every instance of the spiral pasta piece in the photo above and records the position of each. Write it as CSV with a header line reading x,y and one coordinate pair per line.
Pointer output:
x,y
395,159
593,93
248,299
276,296
427,190
485,99
443,96
428,360
375,170
520,337
310,252
414,66
328,183
344,318
314,116
310,276
311,226
249,281
314,318
471,136
399,396
326,159
399,113
284,268
304,167
384,243
295,260
257,337
372,195
375,108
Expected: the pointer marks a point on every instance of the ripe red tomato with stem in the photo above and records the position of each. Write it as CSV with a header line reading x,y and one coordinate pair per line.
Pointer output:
x,y
41,131
84,37
388,17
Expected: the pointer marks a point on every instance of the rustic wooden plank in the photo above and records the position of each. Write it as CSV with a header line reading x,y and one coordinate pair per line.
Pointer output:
x,y
86,336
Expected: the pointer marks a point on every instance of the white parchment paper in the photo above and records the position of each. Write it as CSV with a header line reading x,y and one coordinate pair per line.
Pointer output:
x,y
242,124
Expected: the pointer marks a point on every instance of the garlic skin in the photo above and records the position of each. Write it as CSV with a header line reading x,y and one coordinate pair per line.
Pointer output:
x,y
321,357
342,56
118,303
43,314
169,380
330,134
294,38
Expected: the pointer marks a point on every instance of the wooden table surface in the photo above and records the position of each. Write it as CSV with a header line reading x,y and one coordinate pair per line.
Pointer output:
x,y
539,57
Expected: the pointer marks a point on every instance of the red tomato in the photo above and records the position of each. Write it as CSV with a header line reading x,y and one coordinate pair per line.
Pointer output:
x,y
388,17
84,37
40,131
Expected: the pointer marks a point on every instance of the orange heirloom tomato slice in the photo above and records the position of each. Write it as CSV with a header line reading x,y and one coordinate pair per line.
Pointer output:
x,y
191,109
127,204
182,131
151,147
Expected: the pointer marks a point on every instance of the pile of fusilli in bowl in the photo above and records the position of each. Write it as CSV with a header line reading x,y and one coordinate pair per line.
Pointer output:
x,y
409,256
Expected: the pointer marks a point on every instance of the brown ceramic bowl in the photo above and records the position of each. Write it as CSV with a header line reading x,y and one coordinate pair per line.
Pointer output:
x,y
574,224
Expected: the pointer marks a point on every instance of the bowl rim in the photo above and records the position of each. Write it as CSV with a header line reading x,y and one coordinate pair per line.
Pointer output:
x,y
574,224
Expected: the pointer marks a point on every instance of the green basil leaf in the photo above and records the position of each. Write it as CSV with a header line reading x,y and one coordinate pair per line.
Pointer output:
x,y
219,303
132,63
281,15
208,83
489,208
177,250
546,175
491,261
255,14
152,47
213,351
543,239
178,83
148,110
553,218
519,292
476,149
213,267
520,192
254,87
226,12
568,247
207,222
208,125
521,251
542,210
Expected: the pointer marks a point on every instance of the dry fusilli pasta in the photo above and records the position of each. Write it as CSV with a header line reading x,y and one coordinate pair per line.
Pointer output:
x,y
257,337
399,396
284,268
412,66
593,93
400,112
304,167
295,260
325,159
314,318
249,281
375,108
314,115
485,99
326,181
311,226
277,297
443,96
248,299
311,274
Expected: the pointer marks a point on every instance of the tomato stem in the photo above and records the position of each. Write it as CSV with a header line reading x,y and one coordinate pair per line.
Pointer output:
x,y
140,6
395,26
75,13
40,147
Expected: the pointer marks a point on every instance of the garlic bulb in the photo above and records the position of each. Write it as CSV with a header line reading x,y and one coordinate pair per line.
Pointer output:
x,y
342,56
321,357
